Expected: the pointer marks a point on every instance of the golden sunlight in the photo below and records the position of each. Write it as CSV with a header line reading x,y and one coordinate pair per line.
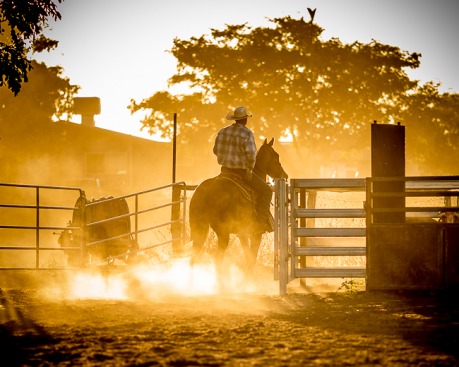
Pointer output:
x,y
176,278
287,137
97,286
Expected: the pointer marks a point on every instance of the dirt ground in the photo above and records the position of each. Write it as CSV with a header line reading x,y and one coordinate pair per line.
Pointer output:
x,y
349,327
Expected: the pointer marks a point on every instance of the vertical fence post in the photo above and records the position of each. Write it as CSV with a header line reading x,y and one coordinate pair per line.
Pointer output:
x,y
388,160
283,237
37,228
276,229
174,149
293,226
183,221
136,219
303,260
176,228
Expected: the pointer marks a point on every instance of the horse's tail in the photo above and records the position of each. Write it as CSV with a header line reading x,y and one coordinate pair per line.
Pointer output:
x,y
199,223
199,220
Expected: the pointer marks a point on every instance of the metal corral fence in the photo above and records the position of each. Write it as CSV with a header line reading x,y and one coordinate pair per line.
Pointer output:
x,y
419,198
25,225
308,228
413,233
34,218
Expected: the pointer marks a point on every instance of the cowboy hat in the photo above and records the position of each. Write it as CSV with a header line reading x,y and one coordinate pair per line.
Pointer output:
x,y
239,114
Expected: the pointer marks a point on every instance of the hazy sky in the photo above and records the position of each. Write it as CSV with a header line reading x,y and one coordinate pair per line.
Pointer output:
x,y
116,50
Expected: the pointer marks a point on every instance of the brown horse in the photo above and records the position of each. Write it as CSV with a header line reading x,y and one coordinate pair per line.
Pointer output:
x,y
227,206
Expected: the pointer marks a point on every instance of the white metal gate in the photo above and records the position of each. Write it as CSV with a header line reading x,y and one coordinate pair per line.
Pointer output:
x,y
296,228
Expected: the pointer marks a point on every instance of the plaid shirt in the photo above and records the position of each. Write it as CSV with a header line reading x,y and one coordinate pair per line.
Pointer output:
x,y
235,147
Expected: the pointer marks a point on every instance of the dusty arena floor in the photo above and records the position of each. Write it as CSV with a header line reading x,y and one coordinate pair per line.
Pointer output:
x,y
247,328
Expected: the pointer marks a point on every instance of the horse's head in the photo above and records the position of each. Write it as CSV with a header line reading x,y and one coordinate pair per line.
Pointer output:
x,y
268,163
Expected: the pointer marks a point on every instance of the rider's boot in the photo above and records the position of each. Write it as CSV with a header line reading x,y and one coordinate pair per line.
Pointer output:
x,y
264,222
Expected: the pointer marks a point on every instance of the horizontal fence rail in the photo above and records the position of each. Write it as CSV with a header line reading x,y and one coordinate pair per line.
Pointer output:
x,y
425,197
413,233
303,201
33,207
176,223
33,216
297,207
385,200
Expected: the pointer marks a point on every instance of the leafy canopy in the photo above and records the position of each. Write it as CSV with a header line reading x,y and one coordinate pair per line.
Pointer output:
x,y
21,26
287,76
324,93
47,96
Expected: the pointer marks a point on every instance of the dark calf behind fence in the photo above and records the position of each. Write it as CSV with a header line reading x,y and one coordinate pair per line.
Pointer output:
x,y
106,229
32,215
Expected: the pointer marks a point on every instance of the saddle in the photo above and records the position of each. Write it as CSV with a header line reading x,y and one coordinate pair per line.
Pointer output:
x,y
248,193
245,189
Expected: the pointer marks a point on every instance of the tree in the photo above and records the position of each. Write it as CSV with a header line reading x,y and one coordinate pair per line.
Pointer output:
x,y
28,138
432,129
47,95
21,26
324,93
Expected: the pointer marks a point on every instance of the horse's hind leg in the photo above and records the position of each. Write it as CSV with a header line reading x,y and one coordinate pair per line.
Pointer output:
x,y
198,236
223,240
246,247
255,240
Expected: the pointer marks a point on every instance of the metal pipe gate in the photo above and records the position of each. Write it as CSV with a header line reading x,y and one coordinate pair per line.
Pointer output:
x,y
425,202
32,215
296,204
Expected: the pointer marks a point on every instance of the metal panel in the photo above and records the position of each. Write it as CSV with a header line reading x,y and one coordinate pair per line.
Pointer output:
x,y
281,206
342,184
330,251
330,213
330,232
450,235
388,160
404,256
330,273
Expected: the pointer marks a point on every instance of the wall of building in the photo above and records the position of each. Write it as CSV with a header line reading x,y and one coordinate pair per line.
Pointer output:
x,y
100,161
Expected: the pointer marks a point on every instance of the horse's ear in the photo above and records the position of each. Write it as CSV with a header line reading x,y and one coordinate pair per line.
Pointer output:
x,y
271,142
266,141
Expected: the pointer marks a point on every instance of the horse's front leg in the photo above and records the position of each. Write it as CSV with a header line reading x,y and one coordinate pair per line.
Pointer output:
x,y
255,240
246,247
223,241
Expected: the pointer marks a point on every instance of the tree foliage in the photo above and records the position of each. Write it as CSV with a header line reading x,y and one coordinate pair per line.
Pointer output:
x,y
432,129
47,95
325,93
21,26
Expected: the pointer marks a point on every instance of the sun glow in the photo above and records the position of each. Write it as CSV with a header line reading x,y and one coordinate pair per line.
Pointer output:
x,y
97,286
174,279
177,278
287,136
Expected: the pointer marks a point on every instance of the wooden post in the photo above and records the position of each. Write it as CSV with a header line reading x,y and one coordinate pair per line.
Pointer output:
x,y
303,260
283,237
176,225
388,160
308,202
174,149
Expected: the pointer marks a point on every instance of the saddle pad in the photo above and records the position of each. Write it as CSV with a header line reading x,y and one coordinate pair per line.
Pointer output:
x,y
245,189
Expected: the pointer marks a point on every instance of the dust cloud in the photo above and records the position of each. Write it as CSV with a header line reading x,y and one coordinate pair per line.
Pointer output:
x,y
165,282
